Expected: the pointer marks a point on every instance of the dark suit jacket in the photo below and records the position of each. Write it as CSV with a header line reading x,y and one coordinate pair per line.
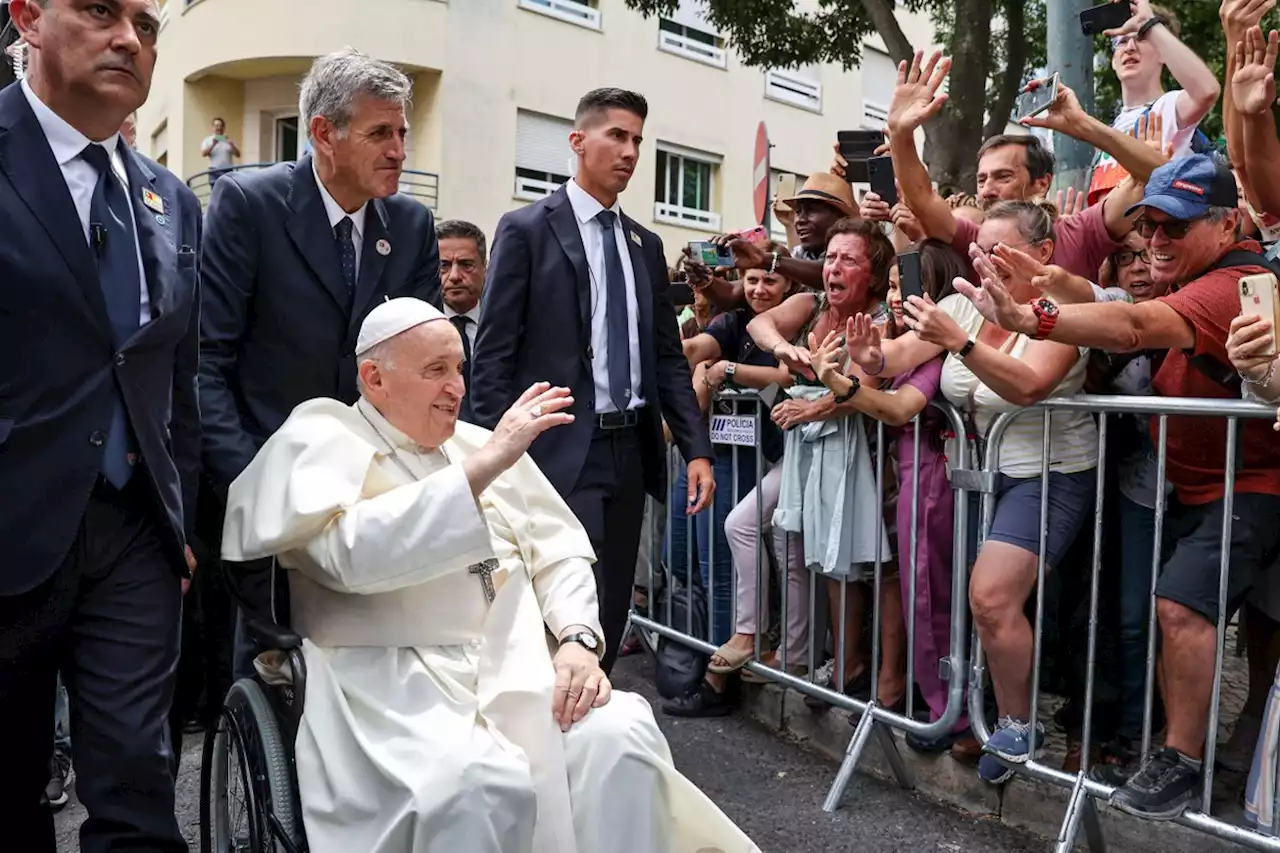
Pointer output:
x,y
59,366
535,326
277,329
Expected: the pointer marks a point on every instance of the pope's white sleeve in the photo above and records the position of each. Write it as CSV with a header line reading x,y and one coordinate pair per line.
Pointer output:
x,y
411,534
566,594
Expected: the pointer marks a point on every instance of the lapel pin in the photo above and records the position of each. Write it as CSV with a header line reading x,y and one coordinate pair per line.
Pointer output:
x,y
153,201
635,238
383,247
162,220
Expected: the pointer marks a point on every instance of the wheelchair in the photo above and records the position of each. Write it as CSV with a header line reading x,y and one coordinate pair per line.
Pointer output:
x,y
248,780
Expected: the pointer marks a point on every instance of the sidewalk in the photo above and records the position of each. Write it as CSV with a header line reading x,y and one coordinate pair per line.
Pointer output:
x,y
1022,803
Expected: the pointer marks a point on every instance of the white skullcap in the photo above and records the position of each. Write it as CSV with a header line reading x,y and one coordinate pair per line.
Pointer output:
x,y
392,318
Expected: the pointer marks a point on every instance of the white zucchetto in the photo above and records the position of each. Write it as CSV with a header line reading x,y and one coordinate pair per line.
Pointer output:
x,y
392,318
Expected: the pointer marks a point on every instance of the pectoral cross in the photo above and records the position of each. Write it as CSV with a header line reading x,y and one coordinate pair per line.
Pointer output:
x,y
485,570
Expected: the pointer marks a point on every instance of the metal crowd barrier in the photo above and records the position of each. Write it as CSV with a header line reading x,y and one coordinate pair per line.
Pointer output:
x,y
743,433
1085,790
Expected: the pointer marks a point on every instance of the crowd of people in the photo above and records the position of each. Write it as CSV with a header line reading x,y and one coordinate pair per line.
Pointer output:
x,y
425,450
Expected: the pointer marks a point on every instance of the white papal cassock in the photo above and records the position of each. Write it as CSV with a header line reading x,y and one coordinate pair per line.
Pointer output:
x,y
427,725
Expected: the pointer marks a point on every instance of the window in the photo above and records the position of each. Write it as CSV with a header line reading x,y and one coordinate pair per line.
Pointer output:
x,y
776,231
798,88
286,147
879,77
687,34
543,155
685,192
584,13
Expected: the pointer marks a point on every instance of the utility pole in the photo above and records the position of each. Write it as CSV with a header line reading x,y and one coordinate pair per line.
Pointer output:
x,y
1070,53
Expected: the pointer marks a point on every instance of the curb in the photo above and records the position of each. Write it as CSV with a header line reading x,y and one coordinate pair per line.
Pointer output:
x,y
1026,804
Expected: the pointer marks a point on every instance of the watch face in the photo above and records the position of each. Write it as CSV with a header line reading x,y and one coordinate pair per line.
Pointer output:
x,y
588,641
1048,307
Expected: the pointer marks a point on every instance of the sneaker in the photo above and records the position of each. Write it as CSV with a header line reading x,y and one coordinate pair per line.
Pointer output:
x,y
1010,744
56,791
1163,789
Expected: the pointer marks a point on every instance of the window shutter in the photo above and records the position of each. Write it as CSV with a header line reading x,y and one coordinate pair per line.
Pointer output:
x,y
542,143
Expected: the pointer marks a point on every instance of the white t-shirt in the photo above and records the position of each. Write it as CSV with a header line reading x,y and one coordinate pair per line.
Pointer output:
x,y
1073,436
1107,173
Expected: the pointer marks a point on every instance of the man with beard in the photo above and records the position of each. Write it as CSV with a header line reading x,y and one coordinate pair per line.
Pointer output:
x,y
1011,168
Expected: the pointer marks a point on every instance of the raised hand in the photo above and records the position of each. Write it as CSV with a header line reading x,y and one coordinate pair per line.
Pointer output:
x,y
826,356
1064,114
933,325
1140,13
992,298
537,410
1070,202
916,98
862,342
1253,86
905,221
1238,16
874,208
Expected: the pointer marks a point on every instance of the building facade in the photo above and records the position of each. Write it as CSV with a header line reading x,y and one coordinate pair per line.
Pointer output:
x,y
495,87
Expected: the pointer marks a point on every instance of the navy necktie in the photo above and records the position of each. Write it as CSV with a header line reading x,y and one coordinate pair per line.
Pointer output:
x,y
615,286
460,322
347,252
116,249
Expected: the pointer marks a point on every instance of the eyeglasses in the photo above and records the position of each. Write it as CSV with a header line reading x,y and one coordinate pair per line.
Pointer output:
x,y
991,253
1124,259
1118,43
1174,229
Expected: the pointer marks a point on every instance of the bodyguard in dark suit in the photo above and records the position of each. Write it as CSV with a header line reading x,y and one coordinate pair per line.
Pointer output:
x,y
294,258
576,295
99,431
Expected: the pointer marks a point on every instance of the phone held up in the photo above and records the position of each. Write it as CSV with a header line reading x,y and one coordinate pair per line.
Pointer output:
x,y
880,176
857,147
1039,99
1258,296
910,280
711,255
1106,16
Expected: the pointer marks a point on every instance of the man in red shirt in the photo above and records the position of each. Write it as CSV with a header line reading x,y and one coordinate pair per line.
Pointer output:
x,y
1189,215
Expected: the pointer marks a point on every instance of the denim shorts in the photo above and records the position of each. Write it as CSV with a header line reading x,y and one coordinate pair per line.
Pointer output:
x,y
1017,515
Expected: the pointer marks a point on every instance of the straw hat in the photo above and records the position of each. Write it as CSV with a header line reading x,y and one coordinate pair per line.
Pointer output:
x,y
827,188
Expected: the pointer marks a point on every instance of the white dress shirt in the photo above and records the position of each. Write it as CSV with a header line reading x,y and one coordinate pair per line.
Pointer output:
x,y
585,209
337,214
68,145
473,315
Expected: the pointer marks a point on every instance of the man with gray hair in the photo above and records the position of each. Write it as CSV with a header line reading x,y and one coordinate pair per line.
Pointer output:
x,y
295,256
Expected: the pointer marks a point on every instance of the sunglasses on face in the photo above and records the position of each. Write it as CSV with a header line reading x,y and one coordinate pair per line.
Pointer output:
x,y
1124,259
1174,229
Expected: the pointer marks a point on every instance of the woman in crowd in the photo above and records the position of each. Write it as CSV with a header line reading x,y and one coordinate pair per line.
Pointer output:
x,y
723,355
827,439
987,371
908,398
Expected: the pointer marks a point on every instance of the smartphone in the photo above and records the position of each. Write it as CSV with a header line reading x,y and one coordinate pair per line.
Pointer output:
x,y
910,282
711,255
753,234
880,176
681,293
856,147
1107,16
1038,99
786,187
1258,296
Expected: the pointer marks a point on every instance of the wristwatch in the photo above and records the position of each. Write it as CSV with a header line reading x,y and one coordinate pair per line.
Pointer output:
x,y
1046,311
730,369
967,348
587,640
853,389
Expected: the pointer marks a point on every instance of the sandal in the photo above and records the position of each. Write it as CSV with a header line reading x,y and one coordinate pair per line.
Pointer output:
x,y
731,659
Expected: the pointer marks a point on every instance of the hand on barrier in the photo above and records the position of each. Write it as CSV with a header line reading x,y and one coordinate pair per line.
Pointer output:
x,y
790,413
1253,87
580,684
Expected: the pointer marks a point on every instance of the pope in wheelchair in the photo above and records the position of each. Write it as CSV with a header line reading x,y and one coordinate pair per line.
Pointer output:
x,y
447,611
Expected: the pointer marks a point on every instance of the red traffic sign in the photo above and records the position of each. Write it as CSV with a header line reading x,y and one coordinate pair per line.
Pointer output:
x,y
761,172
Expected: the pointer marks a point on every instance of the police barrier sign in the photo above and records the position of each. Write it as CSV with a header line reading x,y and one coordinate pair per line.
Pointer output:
x,y
733,429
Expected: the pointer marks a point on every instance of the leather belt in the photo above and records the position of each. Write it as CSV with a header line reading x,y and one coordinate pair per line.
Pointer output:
x,y
618,420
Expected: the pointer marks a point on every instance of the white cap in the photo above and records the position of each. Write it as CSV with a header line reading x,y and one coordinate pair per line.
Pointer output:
x,y
392,318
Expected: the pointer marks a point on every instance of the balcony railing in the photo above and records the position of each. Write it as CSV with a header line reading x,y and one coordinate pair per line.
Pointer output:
x,y
423,186
794,89
690,48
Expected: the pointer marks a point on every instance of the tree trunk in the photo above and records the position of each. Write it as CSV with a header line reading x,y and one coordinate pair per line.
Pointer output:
x,y
1009,81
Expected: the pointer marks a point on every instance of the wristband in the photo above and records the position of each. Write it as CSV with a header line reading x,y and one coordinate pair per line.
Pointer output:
x,y
967,348
1147,26
853,389
1265,380
879,369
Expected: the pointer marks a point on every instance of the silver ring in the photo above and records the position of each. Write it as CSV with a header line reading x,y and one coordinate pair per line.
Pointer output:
x,y
536,411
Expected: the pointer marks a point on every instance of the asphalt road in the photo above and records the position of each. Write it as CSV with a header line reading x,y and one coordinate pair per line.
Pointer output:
x,y
772,788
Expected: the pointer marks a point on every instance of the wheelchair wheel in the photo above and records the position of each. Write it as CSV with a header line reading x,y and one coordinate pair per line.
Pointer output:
x,y
248,797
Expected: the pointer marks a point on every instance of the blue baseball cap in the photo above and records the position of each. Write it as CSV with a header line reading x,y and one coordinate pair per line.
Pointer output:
x,y
1187,187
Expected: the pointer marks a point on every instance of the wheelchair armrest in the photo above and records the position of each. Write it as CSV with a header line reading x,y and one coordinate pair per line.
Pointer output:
x,y
268,635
